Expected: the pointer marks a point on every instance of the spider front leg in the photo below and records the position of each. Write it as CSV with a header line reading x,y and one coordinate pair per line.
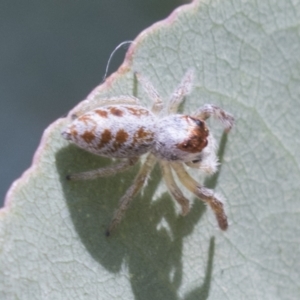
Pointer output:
x,y
132,191
151,92
208,110
103,172
181,91
205,194
173,188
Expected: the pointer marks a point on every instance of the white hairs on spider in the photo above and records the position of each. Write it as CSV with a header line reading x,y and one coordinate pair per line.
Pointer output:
x,y
119,127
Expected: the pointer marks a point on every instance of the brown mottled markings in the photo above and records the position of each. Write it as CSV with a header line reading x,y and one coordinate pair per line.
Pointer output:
x,y
105,138
101,113
137,111
86,119
73,131
120,139
197,136
88,136
121,136
143,135
116,111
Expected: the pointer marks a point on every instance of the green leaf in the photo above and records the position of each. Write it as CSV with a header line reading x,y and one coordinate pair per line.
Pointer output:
x,y
246,59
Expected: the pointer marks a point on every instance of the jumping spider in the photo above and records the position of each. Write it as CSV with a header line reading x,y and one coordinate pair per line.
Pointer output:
x,y
121,128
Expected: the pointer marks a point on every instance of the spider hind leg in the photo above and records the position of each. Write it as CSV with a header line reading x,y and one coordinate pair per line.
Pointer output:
x,y
105,171
131,192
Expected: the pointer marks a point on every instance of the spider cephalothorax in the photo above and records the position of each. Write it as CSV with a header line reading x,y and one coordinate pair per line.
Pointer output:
x,y
121,128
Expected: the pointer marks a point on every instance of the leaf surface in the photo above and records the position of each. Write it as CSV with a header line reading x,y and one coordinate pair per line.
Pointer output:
x,y
246,59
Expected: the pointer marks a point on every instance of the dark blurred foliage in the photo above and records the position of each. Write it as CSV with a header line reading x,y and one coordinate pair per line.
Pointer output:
x,y
52,54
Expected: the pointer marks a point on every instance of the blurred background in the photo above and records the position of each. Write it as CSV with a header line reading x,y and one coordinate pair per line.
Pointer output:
x,y
52,54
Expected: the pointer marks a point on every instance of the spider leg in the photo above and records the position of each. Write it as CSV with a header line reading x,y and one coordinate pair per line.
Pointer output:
x,y
181,91
205,194
151,92
136,186
106,171
89,104
173,188
206,167
208,110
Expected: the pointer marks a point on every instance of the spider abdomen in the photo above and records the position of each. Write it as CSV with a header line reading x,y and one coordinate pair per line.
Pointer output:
x,y
114,131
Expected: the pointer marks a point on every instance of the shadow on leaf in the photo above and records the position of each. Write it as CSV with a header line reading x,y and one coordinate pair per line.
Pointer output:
x,y
151,252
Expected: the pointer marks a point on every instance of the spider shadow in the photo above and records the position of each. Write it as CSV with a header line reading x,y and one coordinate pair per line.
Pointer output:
x,y
151,249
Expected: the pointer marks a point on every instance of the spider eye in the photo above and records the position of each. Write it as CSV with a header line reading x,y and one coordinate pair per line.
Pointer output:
x,y
198,122
196,161
201,125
